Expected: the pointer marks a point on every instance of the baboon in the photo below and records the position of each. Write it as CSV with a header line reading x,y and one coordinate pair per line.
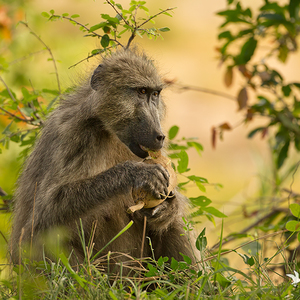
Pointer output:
x,y
89,158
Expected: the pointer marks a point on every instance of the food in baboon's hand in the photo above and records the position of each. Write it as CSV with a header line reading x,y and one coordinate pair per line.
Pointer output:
x,y
146,200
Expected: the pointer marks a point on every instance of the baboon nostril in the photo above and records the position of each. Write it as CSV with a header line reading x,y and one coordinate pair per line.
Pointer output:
x,y
160,138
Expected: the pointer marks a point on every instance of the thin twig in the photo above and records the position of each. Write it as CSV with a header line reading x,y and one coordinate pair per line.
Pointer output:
x,y
87,29
2,192
245,230
182,87
144,235
25,57
120,15
161,12
13,115
12,97
257,239
50,52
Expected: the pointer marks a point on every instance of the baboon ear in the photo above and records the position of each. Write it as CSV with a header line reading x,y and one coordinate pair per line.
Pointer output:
x,y
96,77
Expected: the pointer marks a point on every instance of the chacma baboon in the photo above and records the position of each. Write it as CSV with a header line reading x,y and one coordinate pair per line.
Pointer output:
x,y
89,158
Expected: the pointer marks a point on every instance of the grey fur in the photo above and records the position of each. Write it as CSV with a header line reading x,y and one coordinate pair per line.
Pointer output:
x,y
84,166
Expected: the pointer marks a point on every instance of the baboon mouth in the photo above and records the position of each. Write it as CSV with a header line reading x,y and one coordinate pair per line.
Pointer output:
x,y
145,148
148,150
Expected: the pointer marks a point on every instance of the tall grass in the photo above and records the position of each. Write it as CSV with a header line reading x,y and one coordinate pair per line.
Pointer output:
x,y
258,277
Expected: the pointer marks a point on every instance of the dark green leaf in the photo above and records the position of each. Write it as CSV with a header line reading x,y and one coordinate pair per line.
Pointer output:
x,y
225,35
173,132
247,51
201,241
105,41
256,130
164,29
294,8
283,154
286,89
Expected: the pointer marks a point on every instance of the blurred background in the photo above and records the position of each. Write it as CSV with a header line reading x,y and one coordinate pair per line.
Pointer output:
x,y
187,54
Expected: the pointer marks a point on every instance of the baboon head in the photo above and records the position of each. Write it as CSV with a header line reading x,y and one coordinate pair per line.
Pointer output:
x,y
127,87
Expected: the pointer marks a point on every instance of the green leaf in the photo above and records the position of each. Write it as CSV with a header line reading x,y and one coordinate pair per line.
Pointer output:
x,y
222,280
174,264
295,210
214,212
105,41
97,26
186,259
198,179
283,53
286,89
152,271
173,132
52,12
183,161
45,14
197,146
52,92
201,241
200,186
82,282
283,154
75,16
65,14
164,29
254,131
112,295
225,35
247,51
248,260
201,201
27,111
293,226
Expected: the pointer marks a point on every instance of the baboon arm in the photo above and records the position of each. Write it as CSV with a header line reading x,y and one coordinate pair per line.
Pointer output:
x,y
71,201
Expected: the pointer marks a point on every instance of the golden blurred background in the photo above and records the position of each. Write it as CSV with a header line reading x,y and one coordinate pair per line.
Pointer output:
x,y
187,54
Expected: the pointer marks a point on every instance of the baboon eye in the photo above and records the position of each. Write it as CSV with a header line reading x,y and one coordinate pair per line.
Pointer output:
x,y
155,93
142,91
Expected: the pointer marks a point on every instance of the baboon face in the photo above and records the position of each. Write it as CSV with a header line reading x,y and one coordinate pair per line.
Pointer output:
x,y
131,106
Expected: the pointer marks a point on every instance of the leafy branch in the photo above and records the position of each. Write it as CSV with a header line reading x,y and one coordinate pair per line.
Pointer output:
x,y
114,27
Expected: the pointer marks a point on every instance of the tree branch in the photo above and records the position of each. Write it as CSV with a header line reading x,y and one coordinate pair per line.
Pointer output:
x,y
245,230
50,52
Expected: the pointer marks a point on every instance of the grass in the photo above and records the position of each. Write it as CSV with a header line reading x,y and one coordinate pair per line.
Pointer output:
x,y
258,277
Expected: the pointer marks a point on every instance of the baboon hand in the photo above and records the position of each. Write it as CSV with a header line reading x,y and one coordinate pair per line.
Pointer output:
x,y
152,178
